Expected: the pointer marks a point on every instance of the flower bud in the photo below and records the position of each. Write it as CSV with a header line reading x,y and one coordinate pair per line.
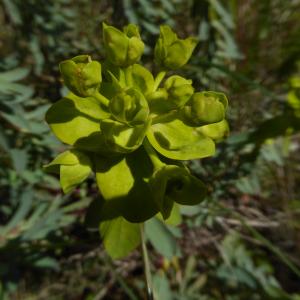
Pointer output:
x,y
179,90
81,75
205,108
129,107
172,52
172,183
123,48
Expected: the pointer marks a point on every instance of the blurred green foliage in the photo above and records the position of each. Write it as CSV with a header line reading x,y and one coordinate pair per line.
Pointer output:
x,y
243,242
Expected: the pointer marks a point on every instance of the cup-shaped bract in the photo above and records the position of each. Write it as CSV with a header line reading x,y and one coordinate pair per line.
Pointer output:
x,y
81,75
170,51
215,131
130,107
205,108
179,90
172,183
123,48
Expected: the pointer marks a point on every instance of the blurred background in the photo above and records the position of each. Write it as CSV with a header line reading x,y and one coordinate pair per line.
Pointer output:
x,y
243,242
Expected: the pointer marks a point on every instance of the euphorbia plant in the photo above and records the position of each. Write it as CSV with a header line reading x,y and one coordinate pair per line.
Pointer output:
x,y
133,130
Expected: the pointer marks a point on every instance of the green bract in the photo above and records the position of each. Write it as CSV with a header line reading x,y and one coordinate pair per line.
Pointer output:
x,y
132,129
170,51
123,48
205,108
129,107
172,183
179,90
81,75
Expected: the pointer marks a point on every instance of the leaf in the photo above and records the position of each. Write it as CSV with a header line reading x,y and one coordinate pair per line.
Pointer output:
x,y
174,218
123,183
71,176
24,207
69,157
47,263
19,159
142,79
119,236
162,289
76,121
14,75
122,138
73,166
161,238
215,131
172,183
12,9
176,140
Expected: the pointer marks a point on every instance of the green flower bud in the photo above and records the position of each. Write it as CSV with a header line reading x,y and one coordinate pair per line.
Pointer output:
x,y
179,90
81,75
130,107
123,48
205,108
172,52
172,183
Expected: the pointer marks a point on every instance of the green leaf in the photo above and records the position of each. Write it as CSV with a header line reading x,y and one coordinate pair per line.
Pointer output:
x,y
175,217
123,184
69,157
73,166
142,79
174,183
119,236
161,238
121,138
76,121
161,284
176,140
19,159
14,75
71,176
216,131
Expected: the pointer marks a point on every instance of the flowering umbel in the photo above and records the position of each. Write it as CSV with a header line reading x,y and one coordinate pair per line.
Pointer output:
x,y
133,130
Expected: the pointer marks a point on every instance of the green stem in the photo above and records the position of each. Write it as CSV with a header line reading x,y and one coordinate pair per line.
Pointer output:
x,y
146,261
165,117
101,98
157,163
128,76
158,79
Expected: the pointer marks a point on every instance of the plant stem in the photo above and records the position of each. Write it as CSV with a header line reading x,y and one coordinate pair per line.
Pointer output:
x,y
146,261
156,162
173,114
101,98
158,79
128,75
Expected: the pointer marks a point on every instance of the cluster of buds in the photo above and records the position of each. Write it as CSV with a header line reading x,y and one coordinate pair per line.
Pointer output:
x,y
133,129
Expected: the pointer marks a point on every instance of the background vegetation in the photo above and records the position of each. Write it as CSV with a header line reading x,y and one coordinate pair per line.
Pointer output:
x,y
243,242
